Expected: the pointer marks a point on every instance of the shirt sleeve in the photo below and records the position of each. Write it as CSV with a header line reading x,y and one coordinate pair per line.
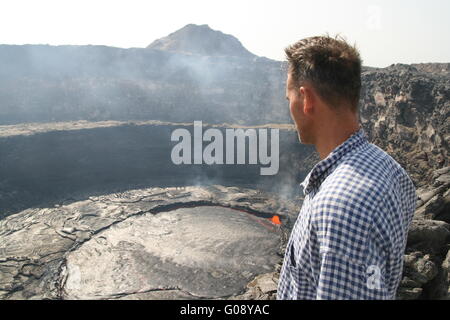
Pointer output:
x,y
341,278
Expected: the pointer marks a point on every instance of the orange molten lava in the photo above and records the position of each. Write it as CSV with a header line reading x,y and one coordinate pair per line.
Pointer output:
x,y
275,219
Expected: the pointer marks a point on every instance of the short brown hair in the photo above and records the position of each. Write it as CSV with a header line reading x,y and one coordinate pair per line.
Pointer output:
x,y
331,65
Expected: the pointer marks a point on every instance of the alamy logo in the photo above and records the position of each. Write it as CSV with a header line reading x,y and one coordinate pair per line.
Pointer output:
x,y
374,279
374,14
213,152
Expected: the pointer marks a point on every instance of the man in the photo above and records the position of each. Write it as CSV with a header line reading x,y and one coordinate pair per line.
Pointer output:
x,y
349,238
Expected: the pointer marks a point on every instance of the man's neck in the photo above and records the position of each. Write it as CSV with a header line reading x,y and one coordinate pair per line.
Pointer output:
x,y
332,136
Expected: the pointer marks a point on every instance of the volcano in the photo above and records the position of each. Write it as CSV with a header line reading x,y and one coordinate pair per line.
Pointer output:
x,y
202,40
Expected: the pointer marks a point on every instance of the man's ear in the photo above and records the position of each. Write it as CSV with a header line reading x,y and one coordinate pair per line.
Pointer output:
x,y
307,96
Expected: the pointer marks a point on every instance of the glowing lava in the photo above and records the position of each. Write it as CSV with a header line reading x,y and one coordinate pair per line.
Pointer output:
x,y
276,219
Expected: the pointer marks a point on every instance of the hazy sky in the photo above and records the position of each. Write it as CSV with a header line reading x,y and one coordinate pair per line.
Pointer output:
x,y
386,32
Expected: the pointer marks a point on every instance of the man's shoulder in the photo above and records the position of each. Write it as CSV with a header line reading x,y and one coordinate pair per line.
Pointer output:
x,y
363,179
370,167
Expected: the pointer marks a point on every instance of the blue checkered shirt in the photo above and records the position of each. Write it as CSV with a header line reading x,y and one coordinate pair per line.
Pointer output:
x,y
349,238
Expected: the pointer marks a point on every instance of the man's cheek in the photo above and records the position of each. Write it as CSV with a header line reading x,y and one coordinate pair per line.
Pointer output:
x,y
292,112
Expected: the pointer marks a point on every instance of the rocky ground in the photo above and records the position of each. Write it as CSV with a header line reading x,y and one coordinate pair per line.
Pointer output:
x,y
427,259
144,244
405,110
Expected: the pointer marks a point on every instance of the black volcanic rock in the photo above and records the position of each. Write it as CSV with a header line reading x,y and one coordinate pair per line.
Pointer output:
x,y
440,68
44,163
96,83
426,269
404,108
406,111
152,243
201,40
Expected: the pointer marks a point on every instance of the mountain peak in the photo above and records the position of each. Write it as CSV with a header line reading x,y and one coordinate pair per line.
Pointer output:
x,y
201,40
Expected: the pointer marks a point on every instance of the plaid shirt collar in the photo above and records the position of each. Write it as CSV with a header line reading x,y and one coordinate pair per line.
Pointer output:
x,y
322,169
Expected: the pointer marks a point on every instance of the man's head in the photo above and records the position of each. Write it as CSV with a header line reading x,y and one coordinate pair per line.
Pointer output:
x,y
323,84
